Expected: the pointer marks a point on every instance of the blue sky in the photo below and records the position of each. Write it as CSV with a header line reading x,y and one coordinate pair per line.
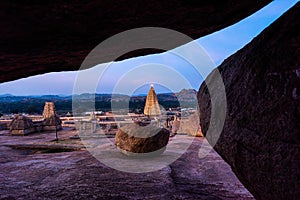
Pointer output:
x,y
167,71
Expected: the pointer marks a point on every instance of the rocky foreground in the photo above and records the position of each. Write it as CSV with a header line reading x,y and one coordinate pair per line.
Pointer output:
x,y
28,173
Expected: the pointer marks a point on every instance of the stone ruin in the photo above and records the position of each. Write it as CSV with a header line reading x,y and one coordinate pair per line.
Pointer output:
x,y
21,125
190,126
51,120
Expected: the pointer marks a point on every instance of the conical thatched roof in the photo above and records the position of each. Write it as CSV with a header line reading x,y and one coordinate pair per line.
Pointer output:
x,y
21,122
152,106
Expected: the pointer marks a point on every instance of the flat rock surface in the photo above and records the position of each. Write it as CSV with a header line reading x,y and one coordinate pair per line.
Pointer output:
x,y
78,175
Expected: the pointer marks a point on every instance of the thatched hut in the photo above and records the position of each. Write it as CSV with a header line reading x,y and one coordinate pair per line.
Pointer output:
x,y
21,125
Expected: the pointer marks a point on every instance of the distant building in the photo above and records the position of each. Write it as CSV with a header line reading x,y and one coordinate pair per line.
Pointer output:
x,y
92,116
51,120
152,107
21,125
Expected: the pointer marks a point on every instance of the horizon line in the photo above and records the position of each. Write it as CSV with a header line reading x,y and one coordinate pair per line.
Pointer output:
x,y
30,95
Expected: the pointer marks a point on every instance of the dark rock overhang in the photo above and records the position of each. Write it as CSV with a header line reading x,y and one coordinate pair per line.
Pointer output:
x,y
47,36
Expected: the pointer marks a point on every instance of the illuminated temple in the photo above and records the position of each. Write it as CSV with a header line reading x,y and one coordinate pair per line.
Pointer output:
x,y
152,107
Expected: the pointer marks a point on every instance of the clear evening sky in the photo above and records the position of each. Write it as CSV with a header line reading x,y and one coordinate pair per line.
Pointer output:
x,y
131,73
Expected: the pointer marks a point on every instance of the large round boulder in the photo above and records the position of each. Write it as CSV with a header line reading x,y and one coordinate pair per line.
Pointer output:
x,y
135,139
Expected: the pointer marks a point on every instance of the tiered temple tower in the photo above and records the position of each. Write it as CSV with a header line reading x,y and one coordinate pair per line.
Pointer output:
x,y
152,107
51,120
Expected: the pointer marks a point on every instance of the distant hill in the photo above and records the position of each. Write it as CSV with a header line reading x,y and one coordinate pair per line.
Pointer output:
x,y
6,95
35,104
189,95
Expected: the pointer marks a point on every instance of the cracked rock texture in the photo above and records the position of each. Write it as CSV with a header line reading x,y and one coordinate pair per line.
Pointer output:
x,y
260,139
47,36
